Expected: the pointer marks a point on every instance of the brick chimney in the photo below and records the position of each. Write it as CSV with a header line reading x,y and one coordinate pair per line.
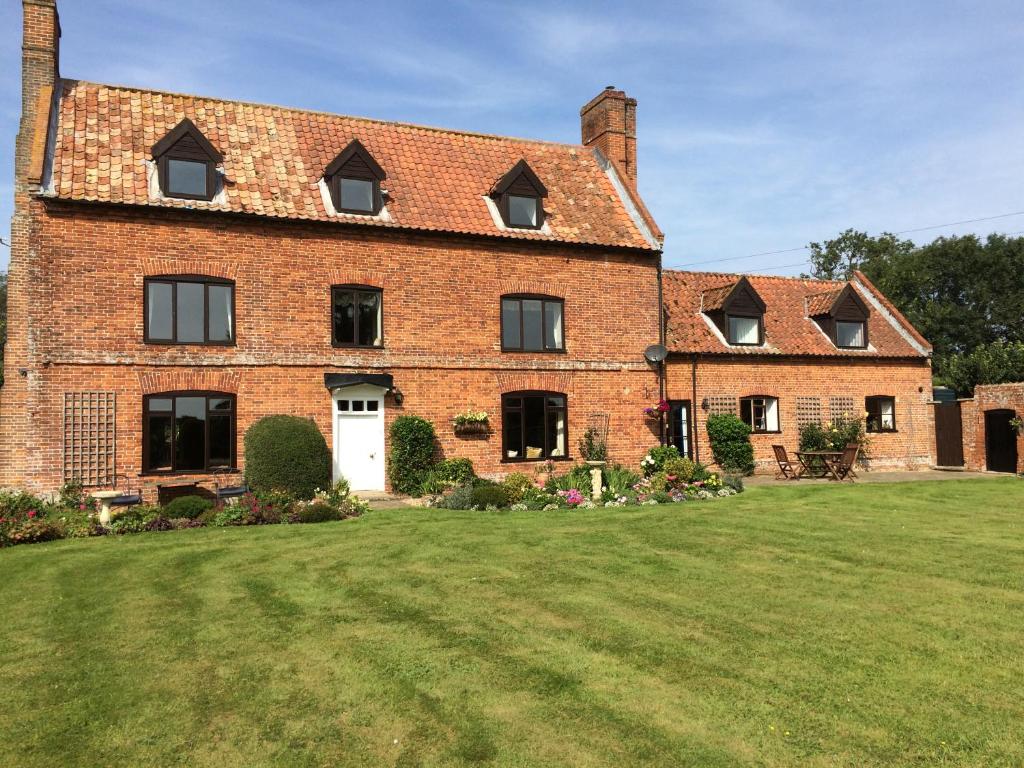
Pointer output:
x,y
608,122
40,56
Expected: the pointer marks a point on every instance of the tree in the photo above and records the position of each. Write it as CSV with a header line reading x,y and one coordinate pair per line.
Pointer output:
x,y
836,259
996,363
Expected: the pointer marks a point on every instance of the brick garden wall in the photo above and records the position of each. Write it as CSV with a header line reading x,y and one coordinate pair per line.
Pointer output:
x,y
989,397
911,446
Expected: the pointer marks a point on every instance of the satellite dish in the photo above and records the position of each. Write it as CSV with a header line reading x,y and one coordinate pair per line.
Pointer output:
x,y
655,353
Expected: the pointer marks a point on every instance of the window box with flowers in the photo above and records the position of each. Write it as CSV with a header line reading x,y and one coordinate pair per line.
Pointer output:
x,y
655,412
471,423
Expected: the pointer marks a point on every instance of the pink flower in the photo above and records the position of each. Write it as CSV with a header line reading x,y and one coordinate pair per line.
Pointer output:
x,y
81,506
31,513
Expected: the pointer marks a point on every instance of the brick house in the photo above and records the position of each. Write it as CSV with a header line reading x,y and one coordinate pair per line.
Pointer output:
x,y
781,352
991,440
182,266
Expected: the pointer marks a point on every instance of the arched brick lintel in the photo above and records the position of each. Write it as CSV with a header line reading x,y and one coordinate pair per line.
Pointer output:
x,y
223,270
543,381
191,380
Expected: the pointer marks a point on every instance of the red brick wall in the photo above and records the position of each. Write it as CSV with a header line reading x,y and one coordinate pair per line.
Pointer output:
x,y
988,397
911,446
441,327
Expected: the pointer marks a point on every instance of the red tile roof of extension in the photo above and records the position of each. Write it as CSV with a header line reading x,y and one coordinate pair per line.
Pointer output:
x,y
274,158
788,328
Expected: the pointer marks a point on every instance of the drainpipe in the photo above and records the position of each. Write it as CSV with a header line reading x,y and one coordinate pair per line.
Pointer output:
x,y
662,366
694,405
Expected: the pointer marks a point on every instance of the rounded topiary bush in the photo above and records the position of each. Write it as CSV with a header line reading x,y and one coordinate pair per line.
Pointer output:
x,y
412,453
730,443
287,453
318,512
190,507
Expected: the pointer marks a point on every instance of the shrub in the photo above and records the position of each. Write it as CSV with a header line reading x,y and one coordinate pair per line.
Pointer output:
x,y
17,503
618,480
454,471
516,486
460,497
412,454
578,477
159,524
227,516
287,453
592,447
317,512
733,481
32,531
682,469
190,507
834,436
490,495
656,457
180,523
730,443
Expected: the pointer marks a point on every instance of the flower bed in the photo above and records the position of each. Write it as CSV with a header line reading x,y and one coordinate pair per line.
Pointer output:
x,y
26,519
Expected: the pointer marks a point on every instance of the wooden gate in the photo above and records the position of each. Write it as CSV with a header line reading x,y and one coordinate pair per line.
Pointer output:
x,y
949,435
1000,441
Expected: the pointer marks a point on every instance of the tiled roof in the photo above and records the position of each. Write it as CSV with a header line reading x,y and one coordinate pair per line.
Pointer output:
x,y
274,158
714,298
821,303
788,329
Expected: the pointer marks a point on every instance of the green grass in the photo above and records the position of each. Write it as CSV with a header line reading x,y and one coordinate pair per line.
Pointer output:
x,y
869,625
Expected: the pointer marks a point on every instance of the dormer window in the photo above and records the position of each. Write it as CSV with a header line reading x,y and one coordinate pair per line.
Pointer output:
x,y
187,163
842,315
737,311
354,181
519,195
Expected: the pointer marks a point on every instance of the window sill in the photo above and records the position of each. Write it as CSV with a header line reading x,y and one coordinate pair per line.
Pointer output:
x,y
881,431
161,343
536,461
157,473
766,432
358,346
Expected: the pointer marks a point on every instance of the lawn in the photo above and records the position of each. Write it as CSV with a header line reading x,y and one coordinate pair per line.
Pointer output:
x,y
813,626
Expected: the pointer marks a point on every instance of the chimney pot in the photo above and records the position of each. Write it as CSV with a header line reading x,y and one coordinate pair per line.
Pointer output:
x,y
608,122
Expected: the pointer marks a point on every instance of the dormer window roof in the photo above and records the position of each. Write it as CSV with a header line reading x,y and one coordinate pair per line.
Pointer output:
x,y
520,195
737,311
354,179
842,315
187,163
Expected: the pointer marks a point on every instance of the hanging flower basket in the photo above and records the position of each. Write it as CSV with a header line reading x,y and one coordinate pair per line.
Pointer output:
x,y
655,412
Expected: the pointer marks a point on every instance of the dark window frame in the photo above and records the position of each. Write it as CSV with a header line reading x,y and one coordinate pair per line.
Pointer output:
x,y
378,201
355,154
172,396
543,298
504,206
760,330
778,414
520,181
875,400
356,289
170,148
670,433
835,340
505,408
206,282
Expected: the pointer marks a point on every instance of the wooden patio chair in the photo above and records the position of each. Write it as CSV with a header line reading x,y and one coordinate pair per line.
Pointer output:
x,y
853,466
842,468
787,470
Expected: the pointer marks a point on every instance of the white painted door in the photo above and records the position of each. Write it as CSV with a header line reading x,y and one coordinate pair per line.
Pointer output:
x,y
359,437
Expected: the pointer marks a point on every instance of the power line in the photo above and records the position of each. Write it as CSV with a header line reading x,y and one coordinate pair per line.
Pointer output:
x,y
900,232
4,242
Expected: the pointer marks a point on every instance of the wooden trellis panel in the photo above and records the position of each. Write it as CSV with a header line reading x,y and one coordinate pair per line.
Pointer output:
x,y
718,404
841,407
808,411
89,429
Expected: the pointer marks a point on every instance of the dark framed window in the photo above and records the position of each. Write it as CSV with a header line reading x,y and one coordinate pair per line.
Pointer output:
x,y
523,211
761,413
881,413
745,331
534,426
519,195
188,432
353,179
851,334
189,310
680,427
187,163
532,324
357,316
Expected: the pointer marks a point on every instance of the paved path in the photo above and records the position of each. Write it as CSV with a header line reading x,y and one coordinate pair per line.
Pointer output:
x,y
903,476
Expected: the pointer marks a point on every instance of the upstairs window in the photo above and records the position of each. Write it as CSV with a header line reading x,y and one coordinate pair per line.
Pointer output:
x,y
534,426
532,324
189,310
354,179
744,331
519,195
851,335
187,163
188,432
737,311
881,413
357,316
761,413
842,315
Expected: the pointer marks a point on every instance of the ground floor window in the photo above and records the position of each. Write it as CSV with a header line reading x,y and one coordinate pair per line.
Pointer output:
x,y
881,413
761,413
534,426
188,431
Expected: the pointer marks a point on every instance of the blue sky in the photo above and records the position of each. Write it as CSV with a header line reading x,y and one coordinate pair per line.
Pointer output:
x,y
762,125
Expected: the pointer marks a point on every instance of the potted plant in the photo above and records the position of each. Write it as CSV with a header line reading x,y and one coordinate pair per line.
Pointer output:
x,y
657,411
1017,424
593,448
471,423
